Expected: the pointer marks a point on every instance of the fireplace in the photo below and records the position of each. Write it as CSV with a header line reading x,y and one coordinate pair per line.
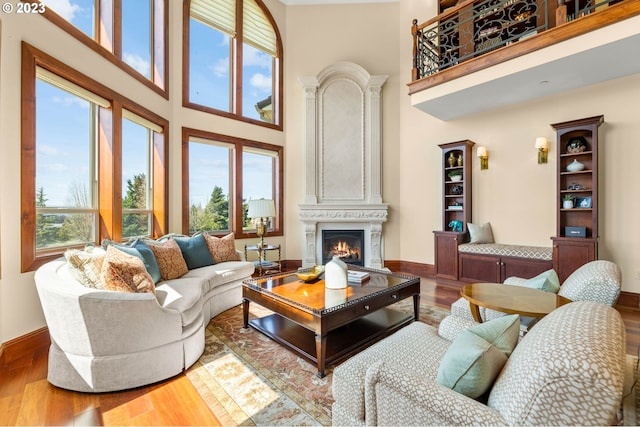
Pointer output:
x,y
347,244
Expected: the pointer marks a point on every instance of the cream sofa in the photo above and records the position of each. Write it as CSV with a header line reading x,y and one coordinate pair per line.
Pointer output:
x,y
568,370
106,341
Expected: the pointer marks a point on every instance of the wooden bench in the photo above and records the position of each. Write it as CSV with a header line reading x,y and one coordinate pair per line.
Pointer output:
x,y
494,262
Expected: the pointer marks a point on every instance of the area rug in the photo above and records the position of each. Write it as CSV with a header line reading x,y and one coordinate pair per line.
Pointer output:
x,y
248,379
631,397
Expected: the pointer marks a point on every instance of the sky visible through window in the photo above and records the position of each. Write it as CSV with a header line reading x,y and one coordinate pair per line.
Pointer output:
x,y
64,121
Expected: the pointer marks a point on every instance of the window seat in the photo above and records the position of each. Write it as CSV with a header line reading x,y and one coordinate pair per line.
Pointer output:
x,y
502,250
494,262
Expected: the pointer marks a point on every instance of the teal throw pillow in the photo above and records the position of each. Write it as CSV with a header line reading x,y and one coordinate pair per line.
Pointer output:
x,y
194,251
547,281
477,355
138,249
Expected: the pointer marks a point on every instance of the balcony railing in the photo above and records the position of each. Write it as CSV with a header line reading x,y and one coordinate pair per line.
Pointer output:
x,y
476,27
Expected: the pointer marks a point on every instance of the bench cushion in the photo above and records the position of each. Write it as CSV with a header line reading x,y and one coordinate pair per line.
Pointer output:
x,y
516,251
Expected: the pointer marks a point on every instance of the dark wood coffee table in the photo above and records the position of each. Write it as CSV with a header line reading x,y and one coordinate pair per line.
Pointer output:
x,y
325,326
511,299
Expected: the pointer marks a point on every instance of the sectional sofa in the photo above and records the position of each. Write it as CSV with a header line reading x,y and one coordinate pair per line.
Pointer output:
x,y
112,329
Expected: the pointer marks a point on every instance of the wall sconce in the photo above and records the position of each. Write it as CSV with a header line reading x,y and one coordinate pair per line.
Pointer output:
x,y
542,145
483,155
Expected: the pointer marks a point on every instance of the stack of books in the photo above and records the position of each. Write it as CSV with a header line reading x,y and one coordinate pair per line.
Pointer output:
x,y
357,277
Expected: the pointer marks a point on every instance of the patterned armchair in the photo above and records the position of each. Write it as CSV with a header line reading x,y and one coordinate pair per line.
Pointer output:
x,y
568,370
598,281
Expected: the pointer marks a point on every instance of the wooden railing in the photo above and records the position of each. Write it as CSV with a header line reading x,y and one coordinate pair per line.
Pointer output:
x,y
475,30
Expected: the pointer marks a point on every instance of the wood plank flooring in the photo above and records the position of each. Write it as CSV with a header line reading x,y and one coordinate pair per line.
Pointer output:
x,y
26,398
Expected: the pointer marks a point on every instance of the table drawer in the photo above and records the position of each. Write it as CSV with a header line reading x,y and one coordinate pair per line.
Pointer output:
x,y
376,303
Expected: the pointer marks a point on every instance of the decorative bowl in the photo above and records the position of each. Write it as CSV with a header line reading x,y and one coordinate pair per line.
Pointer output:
x,y
577,145
309,274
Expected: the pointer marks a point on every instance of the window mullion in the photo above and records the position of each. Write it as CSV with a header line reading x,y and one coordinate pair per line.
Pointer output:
x,y
237,58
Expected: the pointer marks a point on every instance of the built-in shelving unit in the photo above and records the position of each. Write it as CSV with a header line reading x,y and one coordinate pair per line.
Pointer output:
x,y
456,206
576,240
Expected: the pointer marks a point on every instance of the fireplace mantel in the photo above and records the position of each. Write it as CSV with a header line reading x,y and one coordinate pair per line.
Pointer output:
x,y
343,158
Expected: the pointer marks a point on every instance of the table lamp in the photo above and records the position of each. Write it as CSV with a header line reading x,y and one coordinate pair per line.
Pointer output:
x,y
261,209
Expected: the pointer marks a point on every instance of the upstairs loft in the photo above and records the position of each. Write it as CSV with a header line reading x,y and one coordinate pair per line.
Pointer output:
x,y
478,55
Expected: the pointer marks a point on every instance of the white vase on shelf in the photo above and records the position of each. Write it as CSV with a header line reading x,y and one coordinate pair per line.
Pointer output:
x,y
575,166
335,274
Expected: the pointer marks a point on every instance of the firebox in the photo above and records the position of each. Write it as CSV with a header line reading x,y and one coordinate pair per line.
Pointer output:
x,y
347,244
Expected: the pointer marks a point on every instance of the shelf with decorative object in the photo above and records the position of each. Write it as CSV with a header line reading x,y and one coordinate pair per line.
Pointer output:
x,y
456,206
576,240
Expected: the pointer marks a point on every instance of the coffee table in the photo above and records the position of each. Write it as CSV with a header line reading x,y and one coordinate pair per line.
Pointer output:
x,y
325,326
511,299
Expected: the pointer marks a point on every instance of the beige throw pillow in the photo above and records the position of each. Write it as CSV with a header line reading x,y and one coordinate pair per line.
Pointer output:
x,y
480,233
169,258
125,273
222,249
86,266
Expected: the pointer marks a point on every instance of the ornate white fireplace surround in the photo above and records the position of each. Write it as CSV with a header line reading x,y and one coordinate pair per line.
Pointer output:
x,y
343,159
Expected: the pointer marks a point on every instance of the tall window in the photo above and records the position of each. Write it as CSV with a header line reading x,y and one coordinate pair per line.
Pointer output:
x,y
91,168
130,33
219,34
137,168
258,177
66,121
221,175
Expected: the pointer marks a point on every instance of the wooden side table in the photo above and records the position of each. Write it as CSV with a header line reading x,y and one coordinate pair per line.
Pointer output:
x,y
511,299
263,265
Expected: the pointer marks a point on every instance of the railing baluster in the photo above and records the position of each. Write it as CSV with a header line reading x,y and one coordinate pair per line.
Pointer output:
x,y
473,28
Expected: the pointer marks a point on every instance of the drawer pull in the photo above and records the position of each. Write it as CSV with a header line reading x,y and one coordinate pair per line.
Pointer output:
x,y
366,307
394,296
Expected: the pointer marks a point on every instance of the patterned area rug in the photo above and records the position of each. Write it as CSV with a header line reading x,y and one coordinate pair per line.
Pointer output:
x,y
631,397
248,379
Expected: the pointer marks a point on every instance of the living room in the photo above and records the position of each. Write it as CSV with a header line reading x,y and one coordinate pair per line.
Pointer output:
x,y
515,194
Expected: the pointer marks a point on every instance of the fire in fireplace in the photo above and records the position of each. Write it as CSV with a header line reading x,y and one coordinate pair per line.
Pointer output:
x,y
347,244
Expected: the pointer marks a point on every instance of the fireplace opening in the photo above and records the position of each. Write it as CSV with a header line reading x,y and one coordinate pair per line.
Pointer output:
x,y
347,244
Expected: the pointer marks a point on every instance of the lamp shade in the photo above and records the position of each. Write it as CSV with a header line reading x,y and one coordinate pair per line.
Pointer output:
x,y
261,208
482,152
542,143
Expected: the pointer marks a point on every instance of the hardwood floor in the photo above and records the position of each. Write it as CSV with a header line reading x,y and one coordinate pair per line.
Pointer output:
x,y
26,398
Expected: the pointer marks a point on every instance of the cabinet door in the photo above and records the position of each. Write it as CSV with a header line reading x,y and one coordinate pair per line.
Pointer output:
x,y
525,268
569,254
479,268
446,255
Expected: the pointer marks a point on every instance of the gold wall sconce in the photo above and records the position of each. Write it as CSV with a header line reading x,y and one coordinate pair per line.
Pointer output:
x,y
483,155
542,145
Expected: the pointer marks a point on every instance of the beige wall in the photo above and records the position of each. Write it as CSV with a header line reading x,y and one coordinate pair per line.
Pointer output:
x,y
515,194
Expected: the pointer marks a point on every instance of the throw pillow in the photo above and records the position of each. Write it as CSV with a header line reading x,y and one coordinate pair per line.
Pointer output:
x,y
477,355
85,266
480,233
547,281
222,249
169,257
194,251
125,273
138,249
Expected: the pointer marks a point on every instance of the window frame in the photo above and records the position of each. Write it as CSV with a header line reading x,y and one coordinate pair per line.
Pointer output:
x,y
235,191
109,151
108,41
237,68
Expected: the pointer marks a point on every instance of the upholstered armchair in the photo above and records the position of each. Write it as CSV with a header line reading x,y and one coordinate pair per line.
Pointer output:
x,y
598,281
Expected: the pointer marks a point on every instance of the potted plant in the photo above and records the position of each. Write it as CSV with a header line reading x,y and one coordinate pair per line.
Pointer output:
x,y
455,175
567,201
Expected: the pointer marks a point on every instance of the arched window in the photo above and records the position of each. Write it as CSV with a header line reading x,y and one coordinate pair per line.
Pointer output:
x,y
233,60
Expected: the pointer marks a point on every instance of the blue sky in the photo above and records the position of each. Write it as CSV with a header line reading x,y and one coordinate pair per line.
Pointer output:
x,y
63,132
